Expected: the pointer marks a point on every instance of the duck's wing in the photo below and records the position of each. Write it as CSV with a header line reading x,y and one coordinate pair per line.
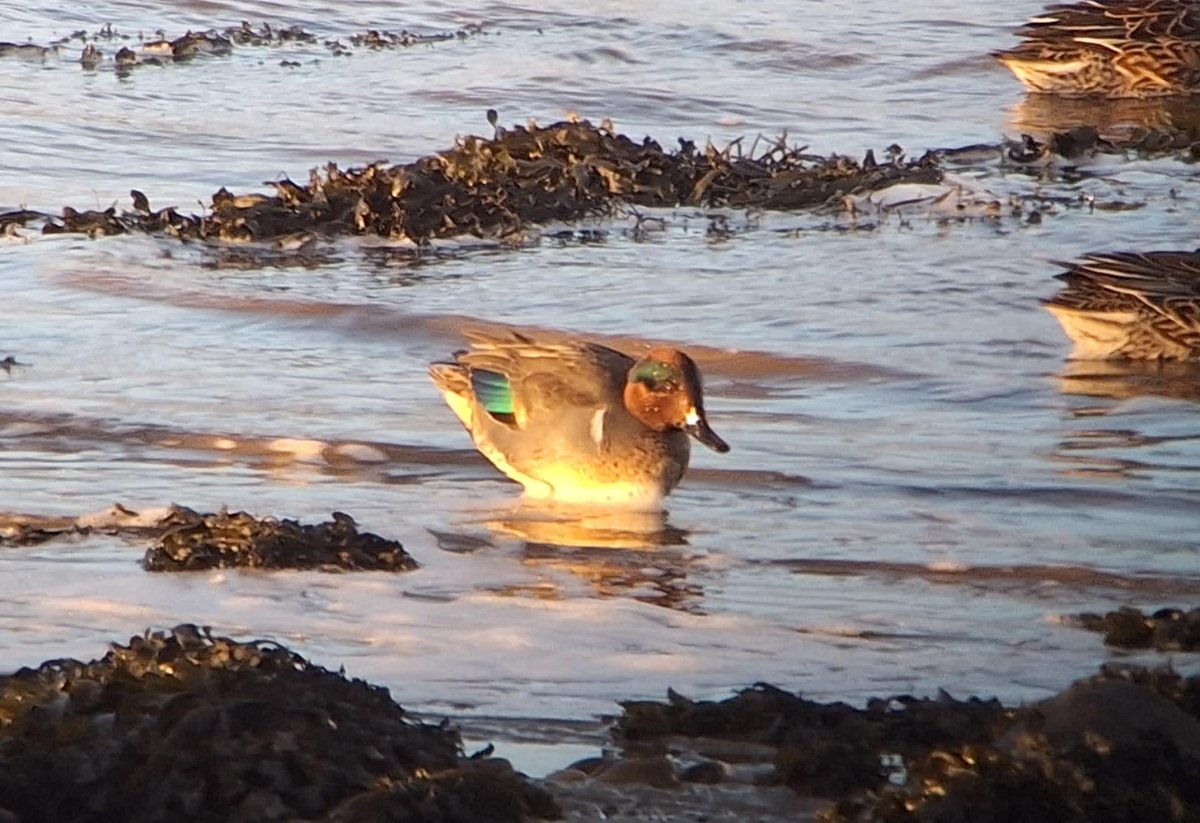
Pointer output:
x,y
529,384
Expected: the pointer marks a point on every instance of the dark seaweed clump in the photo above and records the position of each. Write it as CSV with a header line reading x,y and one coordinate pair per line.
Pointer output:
x,y
1166,629
497,187
522,177
1123,745
823,748
189,541
1141,780
182,725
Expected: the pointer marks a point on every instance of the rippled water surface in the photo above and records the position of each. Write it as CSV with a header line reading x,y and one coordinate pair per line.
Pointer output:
x,y
920,484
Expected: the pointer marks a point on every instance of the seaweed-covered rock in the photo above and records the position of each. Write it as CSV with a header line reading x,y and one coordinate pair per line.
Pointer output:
x,y
531,175
1167,629
822,748
1146,780
1123,745
497,187
183,725
1184,692
189,541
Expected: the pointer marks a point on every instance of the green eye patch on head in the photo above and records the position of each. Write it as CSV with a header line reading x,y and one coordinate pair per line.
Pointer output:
x,y
655,374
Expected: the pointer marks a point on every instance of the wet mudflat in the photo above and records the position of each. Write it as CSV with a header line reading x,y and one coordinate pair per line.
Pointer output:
x,y
922,491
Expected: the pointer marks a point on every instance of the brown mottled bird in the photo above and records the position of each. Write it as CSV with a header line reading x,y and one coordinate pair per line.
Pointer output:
x,y
1110,48
1135,305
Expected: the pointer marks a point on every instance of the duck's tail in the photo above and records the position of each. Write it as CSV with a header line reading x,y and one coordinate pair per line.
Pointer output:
x,y
1096,334
1042,73
450,377
454,381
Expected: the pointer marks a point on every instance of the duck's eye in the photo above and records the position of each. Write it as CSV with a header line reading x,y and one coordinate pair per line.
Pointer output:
x,y
658,377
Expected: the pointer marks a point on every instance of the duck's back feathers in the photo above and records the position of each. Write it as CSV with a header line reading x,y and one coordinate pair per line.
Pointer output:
x,y
544,378
1115,48
1140,305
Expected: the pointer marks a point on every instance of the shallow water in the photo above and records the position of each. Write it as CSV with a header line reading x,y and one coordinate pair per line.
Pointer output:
x,y
921,483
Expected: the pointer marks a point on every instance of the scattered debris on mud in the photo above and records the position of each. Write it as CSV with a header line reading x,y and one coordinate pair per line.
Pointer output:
x,y
33,530
1166,629
186,540
1085,141
191,541
133,51
182,725
9,363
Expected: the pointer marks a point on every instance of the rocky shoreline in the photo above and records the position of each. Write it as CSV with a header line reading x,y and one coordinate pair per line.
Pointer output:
x,y
191,725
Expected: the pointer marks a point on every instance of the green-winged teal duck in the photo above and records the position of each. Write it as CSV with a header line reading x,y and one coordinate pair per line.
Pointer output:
x,y
578,422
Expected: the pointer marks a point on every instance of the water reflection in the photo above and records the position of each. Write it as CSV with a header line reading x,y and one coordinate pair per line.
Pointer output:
x,y
587,528
301,250
1026,579
1099,453
405,265
656,577
1123,379
1116,119
1153,444
615,553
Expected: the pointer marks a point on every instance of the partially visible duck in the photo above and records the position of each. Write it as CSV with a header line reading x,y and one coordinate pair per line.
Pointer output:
x,y
1110,48
1140,306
